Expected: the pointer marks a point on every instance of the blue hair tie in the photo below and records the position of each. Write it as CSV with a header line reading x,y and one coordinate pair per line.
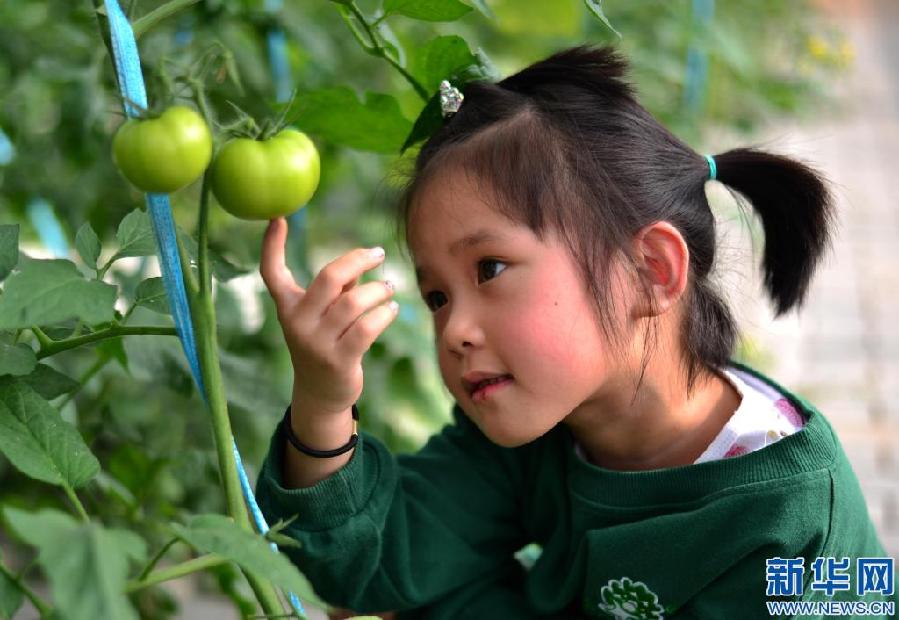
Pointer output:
x,y
713,169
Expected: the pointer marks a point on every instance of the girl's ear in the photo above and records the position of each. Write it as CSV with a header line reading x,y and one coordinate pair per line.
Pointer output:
x,y
663,264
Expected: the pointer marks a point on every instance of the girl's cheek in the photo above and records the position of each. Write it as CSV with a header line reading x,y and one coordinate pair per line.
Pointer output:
x,y
544,335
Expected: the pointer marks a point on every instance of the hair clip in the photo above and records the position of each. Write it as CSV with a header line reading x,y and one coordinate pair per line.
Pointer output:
x,y
450,99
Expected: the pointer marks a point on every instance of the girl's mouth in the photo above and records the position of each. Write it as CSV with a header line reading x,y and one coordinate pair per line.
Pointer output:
x,y
486,388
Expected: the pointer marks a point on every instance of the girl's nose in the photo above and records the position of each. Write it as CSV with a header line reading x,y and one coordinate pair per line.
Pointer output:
x,y
462,330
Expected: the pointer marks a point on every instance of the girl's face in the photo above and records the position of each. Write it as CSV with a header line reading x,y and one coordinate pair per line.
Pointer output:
x,y
505,303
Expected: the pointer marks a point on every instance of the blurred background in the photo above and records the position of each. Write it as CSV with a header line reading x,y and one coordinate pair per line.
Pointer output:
x,y
815,79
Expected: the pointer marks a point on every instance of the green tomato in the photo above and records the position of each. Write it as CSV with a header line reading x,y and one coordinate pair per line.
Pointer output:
x,y
163,154
263,180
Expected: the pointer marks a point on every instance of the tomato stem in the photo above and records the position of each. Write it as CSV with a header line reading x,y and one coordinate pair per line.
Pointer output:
x,y
376,48
174,572
42,607
52,347
79,507
203,236
153,561
203,314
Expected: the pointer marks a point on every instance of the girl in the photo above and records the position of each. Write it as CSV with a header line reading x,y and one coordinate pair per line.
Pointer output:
x,y
563,242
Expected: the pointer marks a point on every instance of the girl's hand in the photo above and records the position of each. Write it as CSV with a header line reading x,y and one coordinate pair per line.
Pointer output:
x,y
329,326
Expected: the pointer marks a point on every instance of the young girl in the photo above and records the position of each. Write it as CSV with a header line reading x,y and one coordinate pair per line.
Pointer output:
x,y
563,242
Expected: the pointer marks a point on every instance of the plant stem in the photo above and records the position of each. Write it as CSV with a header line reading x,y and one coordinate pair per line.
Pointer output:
x,y
203,314
77,503
203,239
146,571
42,607
52,347
82,382
42,338
174,572
376,48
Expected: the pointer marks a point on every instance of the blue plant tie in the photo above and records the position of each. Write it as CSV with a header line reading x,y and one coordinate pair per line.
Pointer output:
x,y
7,150
131,86
698,57
48,229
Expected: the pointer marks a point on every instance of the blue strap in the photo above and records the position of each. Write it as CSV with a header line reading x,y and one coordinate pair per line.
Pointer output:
x,y
48,229
7,150
131,86
697,58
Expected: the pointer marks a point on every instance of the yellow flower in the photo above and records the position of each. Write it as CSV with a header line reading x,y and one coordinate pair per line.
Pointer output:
x,y
818,47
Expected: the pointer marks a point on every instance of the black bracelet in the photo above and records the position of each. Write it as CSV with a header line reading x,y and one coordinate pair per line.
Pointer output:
x,y
287,431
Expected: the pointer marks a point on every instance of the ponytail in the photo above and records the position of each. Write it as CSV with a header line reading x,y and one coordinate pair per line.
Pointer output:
x,y
796,210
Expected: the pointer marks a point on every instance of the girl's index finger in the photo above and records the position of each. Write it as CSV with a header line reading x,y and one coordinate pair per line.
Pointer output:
x,y
272,266
340,276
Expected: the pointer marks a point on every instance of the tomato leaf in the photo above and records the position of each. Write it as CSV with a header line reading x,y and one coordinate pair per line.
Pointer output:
x,y
16,359
40,443
135,236
151,294
88,245
45,292
428,10
49,382
444,58
86,564
595,7
336,114
213,533
9,248
440,58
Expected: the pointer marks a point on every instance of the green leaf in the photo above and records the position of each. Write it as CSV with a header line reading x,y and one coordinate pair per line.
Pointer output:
x,y
16,359
135,236
11,597
86,564
114,348
151,294
40,443
439,59
336,114
595,7
218,534
9,248
88,245
429,120
428,10
45,292
144,23
49,382
445,58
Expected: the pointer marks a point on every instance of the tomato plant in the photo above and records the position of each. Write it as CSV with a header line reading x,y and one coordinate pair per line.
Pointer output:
x,y
265,179
166,153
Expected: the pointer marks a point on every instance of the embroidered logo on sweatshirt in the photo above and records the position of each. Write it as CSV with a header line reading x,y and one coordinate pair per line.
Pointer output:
x,y
630,600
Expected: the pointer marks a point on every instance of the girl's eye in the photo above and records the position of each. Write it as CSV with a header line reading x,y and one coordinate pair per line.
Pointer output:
x,y
488,262
428,297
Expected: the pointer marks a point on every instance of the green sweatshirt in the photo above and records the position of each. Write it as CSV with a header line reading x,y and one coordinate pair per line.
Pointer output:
x,y
433,534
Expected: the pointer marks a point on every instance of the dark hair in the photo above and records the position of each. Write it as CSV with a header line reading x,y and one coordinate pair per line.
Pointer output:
x,y
563,144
